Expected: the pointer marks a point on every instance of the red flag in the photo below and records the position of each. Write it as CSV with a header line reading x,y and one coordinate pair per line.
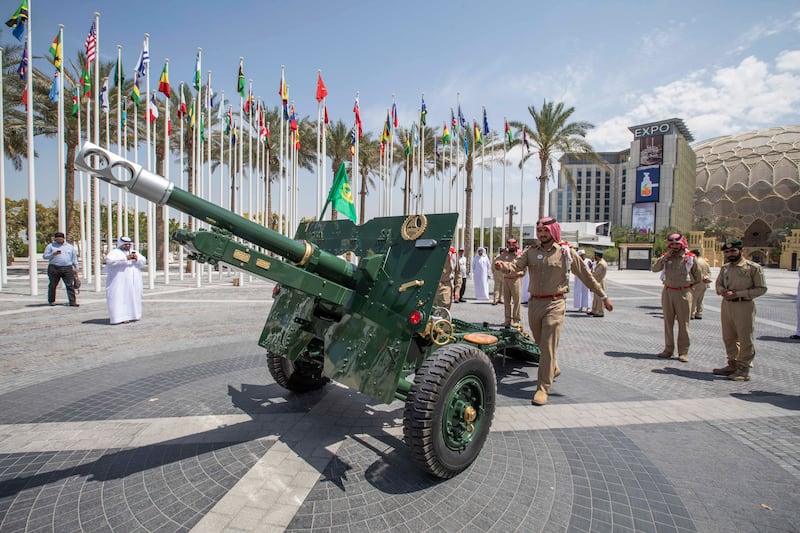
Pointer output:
x,y
182,107
322,91
358,119
25,97
327,121
169,127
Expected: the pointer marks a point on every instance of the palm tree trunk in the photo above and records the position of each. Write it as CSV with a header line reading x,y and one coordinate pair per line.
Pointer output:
x,y
69,193
542,189
468,236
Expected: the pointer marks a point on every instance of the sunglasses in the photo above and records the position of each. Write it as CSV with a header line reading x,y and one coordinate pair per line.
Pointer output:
x,y
674,239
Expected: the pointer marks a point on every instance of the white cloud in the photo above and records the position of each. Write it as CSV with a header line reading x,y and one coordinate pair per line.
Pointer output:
x,y
728,100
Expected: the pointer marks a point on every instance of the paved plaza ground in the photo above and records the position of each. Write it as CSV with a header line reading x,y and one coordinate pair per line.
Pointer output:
x,y
173,423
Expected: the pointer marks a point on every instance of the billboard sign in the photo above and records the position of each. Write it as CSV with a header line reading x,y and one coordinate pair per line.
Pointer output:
x,y
644,217
651,151
647,183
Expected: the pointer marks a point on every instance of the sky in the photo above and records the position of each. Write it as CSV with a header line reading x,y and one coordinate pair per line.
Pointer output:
x,y
723,66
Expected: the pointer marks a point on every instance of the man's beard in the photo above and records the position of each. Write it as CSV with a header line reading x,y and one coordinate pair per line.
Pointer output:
x,y
734,258
546,240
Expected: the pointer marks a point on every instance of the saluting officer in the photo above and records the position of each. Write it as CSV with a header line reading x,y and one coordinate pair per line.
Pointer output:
x,y
679,273
739,282
549,263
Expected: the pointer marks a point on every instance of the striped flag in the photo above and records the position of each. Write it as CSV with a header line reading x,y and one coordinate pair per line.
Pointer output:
x,y
91,43
104,96
163,82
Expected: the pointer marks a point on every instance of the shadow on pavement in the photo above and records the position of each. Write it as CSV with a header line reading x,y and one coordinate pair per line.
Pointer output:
x,y
773,338
691,374
632,355
786,401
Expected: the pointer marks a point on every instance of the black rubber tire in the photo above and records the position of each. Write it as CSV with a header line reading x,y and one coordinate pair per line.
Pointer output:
x,y
299,378
426,405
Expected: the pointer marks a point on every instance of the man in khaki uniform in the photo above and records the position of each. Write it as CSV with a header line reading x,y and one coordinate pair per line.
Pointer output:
x,y
549,263
512,286
739,282
497,280
451,275
599,269
699,289
679,273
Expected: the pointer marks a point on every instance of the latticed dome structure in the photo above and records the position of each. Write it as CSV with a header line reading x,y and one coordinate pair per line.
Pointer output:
x,y
752,180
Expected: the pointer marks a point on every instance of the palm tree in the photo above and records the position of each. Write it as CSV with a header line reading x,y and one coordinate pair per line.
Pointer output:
x,y
551,134
338,148
407,166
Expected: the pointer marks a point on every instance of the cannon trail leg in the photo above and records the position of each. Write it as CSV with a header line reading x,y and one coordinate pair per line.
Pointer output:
x,y
300,376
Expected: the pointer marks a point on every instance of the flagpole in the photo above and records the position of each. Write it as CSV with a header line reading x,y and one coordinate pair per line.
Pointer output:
x,y
483,173
151,245
491,206
521,186
421,155
120,144
89,204
358,138
95,188
222,201
505,162
208,151
165,208
250,149
31,231
62,194
197,150
319,147
391,156
281,228
324,154
3,237
181,261
109,222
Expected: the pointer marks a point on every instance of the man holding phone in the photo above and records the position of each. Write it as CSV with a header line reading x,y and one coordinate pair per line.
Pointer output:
x,y
63,264
124,282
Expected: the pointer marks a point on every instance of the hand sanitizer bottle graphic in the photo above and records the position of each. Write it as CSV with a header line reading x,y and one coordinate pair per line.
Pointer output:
x,y
647,186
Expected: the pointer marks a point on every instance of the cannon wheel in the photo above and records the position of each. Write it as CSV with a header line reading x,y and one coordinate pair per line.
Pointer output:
x,y
449,409
296,377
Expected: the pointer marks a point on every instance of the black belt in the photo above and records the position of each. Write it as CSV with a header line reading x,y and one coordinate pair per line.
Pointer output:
x,y
740,300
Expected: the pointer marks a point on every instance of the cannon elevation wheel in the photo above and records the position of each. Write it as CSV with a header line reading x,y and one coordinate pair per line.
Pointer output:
x,y
449,409
300,376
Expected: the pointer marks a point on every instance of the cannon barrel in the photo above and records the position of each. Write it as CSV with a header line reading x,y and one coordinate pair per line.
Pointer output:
x,y
132,177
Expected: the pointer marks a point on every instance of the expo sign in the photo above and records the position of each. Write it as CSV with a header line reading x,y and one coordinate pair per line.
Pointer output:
x,y
655,129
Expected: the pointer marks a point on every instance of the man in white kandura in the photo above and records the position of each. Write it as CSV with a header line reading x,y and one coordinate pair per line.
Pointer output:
x,y
124,283
481,272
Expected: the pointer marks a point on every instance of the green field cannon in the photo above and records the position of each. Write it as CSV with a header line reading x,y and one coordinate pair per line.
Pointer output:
x,y
371,326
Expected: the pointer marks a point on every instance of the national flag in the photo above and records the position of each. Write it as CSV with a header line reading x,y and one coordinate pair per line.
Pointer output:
x,y
240,80
415,134
408,146
169,126
91,43
57,50
353,142
445,134
104,96
18,20
196,84
358,119
228,121
423,112
525,139
386,135
297,141
248,102
153,107
145,54
136,94
86,79
24,100
209,98
325,110
268,140
322,91
123,118
190,116
453,120
340,195
293,120
163,82
485,123
461,120
509,134
466,143
395,123
75,102
233,138
22,69
141,63
119,74
477,133
283,90
182,106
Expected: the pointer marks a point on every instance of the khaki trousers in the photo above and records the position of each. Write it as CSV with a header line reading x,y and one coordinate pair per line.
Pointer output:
x,y
737,320
676,304
512,292
545,318
698,295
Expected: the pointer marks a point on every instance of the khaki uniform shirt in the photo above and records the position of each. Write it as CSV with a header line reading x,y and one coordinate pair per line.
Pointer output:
x,y
745,277
676,275
451,274
705,270
548,270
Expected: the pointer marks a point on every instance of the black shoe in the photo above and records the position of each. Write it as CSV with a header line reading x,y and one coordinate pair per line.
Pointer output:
x,y
74,305
51,304
698,318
